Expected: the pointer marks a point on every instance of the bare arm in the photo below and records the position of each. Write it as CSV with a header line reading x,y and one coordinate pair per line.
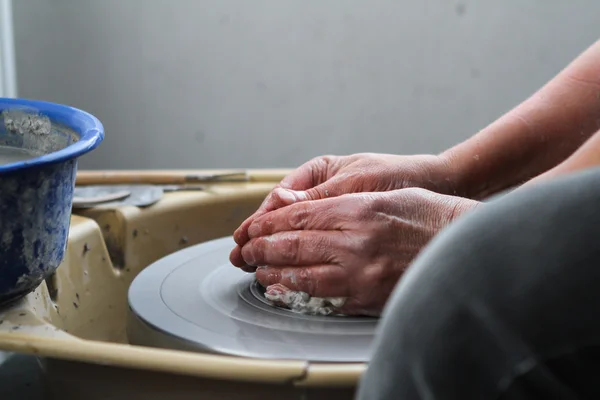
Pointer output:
x,y
587,156
535,136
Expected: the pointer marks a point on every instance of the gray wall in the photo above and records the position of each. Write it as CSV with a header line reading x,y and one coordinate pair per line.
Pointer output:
x,y
271,83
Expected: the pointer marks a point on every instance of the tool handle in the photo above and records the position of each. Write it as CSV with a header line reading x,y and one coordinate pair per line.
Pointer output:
x,y
163,177
178,177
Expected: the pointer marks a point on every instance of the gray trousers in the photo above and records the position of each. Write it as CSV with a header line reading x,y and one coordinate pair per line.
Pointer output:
x,y
502,304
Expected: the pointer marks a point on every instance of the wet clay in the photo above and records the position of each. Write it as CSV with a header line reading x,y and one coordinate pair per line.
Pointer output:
x,y
302,302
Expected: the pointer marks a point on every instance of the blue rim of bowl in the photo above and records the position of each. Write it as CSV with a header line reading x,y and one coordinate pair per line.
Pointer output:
x,y
88,127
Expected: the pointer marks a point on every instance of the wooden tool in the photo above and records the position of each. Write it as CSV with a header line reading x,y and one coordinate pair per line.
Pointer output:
x,y
163,177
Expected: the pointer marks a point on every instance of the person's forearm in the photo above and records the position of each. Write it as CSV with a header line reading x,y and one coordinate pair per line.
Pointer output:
x,y
587,156
533,137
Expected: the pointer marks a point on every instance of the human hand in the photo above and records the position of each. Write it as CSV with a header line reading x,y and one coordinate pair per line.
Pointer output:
x,y
331,176
354,246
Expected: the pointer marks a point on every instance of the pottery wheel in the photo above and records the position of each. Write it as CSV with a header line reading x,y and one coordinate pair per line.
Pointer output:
x,y
196,300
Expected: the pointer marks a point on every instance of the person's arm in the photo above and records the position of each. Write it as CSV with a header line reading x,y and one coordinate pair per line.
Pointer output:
x,y
587,156
535,136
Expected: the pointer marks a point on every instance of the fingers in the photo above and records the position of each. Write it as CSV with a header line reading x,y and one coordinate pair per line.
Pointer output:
x,y
330,215
333,214
295,248
276,199
335,186
308,175
316,280
235,257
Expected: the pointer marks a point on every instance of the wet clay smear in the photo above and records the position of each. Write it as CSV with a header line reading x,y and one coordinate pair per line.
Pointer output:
x,y
303,303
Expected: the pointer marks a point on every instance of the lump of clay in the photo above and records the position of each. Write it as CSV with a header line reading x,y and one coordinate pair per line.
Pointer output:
x,y
302,302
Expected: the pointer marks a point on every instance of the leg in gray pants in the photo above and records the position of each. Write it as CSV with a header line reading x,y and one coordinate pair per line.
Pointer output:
x,y
503,304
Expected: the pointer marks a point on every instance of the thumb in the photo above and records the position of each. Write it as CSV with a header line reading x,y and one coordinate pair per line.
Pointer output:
x,y
278,198
332,188
281,197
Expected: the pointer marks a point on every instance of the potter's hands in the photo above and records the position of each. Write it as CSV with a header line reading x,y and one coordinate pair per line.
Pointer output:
x,y
331,176
355,246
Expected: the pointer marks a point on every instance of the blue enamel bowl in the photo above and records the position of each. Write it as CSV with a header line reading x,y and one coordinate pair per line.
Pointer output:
x,y
40,144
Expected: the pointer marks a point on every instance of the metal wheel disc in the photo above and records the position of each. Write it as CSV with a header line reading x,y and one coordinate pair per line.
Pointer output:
x,y
196,300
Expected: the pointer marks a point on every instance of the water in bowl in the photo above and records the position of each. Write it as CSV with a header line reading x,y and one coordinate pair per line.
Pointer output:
x,y
9,155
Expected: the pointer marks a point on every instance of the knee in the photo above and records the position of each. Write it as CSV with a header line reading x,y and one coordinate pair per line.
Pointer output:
x,y
416,343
